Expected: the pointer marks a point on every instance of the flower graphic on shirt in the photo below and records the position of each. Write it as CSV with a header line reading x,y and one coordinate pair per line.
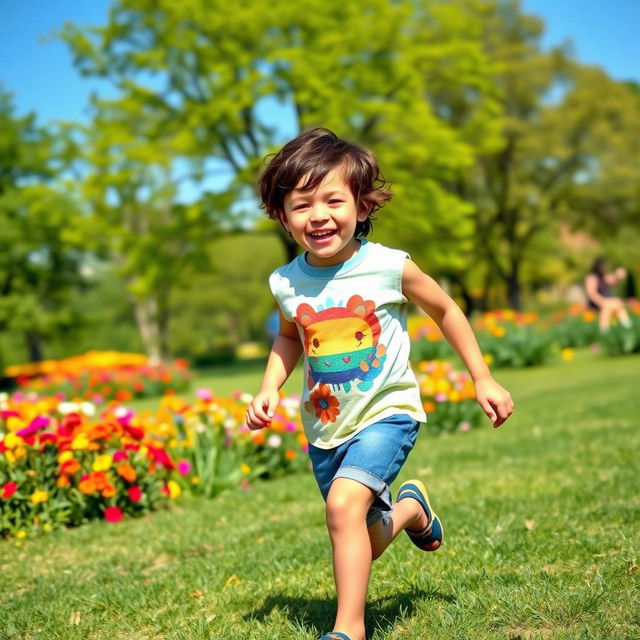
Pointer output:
x,y
323,403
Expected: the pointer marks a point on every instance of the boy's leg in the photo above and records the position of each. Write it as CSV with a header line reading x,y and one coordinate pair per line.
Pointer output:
x,y
347,505
406,514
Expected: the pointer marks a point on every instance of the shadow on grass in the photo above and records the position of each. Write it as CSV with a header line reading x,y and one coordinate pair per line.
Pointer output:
x,y
383,613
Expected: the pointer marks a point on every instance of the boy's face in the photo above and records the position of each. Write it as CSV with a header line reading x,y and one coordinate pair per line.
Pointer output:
x,y
323,221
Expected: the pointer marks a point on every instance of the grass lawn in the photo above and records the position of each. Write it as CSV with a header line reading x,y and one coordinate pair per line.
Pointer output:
x,y
542,540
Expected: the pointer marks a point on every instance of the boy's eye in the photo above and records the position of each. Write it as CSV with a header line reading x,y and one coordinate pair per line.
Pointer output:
x,y
316,343
335,201
359,335
301,206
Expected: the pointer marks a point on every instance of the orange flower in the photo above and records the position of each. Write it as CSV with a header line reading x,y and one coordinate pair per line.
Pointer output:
x,y
122,395
324,404
63,481
109,491
70,466
87,484
126,471
428,406
289,454
99,432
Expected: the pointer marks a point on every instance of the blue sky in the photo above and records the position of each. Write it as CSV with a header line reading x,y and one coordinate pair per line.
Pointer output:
x,y
42,79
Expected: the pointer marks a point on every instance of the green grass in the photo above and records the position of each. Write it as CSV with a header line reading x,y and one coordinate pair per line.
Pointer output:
x,y
542,541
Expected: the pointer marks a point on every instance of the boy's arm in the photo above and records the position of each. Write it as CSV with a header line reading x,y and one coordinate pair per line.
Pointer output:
x,y
429,296
284,355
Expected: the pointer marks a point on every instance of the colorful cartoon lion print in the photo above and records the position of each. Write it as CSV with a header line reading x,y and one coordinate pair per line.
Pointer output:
x,y
341,344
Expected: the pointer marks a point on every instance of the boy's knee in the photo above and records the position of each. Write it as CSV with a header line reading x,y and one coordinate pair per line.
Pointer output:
x,y
348,500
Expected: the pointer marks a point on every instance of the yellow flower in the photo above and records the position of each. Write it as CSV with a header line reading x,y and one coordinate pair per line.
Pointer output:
x,y
499,332
39,496
9,456
80,442
19,452
64,456
21,534
245,468
567,354
195,480
11,441
103,462
174,489
488,358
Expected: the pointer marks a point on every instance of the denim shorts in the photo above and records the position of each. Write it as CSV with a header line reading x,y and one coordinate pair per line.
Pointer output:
x,y
373,457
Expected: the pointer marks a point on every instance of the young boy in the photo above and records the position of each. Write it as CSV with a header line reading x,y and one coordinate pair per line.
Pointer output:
x,y
343,304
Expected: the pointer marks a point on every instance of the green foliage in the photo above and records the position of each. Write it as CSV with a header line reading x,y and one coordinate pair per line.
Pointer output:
x,y
518,347
620,340
450,417
41,238
424,349
575,331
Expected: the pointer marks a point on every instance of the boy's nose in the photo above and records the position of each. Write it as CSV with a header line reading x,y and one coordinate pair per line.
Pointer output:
x,y
319,213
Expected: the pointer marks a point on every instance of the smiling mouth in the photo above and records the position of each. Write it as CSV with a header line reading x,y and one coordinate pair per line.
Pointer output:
x,y
322,234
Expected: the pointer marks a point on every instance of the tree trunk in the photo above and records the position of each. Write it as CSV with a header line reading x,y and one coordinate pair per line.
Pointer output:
x,y
34,346
146,312
514,289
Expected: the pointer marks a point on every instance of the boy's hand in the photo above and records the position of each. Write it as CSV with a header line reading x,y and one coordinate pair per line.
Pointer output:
x,y
495,400
262,408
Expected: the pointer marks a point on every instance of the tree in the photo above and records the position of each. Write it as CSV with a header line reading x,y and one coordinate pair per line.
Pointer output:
x,y
211,72
130,181
41,240
565,153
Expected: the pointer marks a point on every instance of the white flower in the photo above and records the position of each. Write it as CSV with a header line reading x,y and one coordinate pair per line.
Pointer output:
x,y
246,398
88,409
274,441
68,407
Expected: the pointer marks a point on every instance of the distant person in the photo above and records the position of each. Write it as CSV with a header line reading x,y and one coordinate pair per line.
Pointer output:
x,y
597,285
343,305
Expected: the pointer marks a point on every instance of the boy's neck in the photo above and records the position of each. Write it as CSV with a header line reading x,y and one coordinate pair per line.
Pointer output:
x,y
339,258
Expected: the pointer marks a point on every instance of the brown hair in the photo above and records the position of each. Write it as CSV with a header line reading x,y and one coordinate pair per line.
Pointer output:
x,y
311,156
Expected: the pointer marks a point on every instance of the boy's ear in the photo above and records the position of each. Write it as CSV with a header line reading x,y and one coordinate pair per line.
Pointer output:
x,y
283,221
364,209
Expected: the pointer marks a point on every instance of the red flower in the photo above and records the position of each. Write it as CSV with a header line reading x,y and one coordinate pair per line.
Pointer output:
x,y
120,455
161,458
134,432
8,489
113,514
135,493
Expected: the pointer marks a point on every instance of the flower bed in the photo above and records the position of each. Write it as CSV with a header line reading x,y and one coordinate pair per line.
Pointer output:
x,y
448,398
62,465
100,376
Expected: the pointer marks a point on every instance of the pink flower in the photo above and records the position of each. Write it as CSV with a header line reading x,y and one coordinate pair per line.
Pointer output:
x,y
291,426
184,467
135,493
204,394
113,514
120,455
37,424
440,397
464,426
